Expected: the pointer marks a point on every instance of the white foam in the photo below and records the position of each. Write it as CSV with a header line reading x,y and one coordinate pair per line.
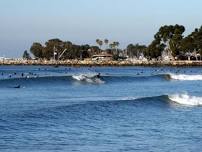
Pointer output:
x,y
79,77
184,77
90,78
102,98
185,99
128,98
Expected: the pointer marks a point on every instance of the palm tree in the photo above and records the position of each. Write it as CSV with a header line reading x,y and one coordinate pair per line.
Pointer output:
x,y
106,41
116,44
111,45
99,42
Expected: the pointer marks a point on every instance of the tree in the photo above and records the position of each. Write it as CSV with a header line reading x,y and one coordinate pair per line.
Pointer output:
x,y
155,49
99,42
193,42
168,37
106,41
26,55
129,49
135,50
116,45
53,46
197,36
111,46
188,44
94,50
37,50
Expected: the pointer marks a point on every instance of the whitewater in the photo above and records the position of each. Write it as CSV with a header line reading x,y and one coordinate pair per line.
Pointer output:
x,y
184,77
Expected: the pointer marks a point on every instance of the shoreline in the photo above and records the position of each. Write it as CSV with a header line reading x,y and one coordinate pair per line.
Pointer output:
x,y
100,63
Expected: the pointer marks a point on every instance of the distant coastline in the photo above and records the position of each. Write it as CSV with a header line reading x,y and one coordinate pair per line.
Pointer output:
x,y
100,63
169,48
169,44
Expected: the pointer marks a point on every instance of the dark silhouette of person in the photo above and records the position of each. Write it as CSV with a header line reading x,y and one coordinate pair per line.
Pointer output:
x,y
98,76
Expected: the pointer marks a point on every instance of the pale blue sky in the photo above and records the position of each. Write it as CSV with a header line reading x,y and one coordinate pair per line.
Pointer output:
x,y
82,21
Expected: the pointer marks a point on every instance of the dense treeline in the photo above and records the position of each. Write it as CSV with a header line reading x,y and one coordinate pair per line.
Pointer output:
x,y
58,49
168,39
171,38
55,48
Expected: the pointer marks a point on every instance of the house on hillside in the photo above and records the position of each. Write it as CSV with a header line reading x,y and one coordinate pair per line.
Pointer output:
x,y
193,55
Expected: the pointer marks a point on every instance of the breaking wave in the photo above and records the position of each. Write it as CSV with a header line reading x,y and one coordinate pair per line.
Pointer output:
x,y
184,77
94,78
185,99
181,77
181,99
96,104
89,78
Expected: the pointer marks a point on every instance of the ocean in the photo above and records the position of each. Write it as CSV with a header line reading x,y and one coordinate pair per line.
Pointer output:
x,y
100,109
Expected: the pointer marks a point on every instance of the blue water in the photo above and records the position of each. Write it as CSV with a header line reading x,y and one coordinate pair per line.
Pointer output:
x,y
128,109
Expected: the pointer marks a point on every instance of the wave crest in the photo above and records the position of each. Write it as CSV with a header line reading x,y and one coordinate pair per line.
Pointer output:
x,y
185,99
184,77
89,78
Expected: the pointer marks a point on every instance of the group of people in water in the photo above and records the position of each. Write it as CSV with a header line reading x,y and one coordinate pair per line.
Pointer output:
x,y
18,75
5,75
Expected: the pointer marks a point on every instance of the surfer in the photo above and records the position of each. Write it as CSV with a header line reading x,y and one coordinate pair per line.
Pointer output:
x,y
168,77
98,75
17,87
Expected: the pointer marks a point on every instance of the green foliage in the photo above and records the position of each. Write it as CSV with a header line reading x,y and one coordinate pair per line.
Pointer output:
x,y
136,50
26,55
155,49
62,50
37,50
193,42
99,42
115,57
167,36
106,41
113,47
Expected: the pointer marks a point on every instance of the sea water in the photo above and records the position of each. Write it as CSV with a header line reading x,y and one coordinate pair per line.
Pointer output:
x,y
100,109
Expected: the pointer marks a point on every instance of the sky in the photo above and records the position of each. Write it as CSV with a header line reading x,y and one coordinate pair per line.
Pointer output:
x,y
23,22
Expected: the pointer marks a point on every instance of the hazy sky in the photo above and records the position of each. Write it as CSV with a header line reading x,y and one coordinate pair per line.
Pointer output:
x,y
82,21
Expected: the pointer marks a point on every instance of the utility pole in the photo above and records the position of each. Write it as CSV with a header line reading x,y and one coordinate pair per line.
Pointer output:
x,y
54,52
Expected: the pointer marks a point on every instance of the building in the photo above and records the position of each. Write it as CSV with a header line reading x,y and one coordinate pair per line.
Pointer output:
x,y
102,57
